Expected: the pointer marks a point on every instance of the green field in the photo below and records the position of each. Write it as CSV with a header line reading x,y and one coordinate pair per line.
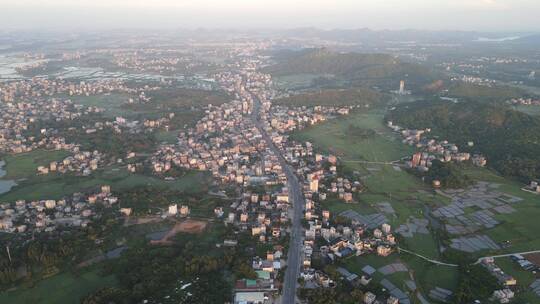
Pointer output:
x,y
519,227
54,186
332,137
25,165
63,288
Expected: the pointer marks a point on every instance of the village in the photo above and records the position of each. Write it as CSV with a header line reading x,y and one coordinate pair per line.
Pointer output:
x,y
245,145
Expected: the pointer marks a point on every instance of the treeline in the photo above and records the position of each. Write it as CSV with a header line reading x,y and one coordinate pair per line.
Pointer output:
x,y
510,139
334,97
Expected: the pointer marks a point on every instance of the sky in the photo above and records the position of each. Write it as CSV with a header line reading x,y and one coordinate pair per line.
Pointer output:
x,y
476,15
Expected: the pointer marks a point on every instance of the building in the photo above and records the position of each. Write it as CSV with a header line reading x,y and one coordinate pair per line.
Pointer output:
x,y
314,184
173,209
255,297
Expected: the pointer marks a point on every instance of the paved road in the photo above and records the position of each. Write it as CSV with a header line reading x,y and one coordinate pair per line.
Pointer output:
x,y
506,255
297,200
477,261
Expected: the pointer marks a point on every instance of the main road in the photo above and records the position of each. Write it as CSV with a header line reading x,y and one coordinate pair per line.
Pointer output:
x,y
296,198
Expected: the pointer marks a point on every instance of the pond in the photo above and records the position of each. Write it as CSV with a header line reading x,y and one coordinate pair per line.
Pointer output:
x,y
5,185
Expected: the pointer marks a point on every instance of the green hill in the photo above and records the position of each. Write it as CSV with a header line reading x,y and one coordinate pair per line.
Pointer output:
x,y
356,69
510,139
331,97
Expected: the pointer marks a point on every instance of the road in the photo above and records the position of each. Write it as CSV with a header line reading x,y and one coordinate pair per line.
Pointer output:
x,y
426,258
506,255
477,261
297,200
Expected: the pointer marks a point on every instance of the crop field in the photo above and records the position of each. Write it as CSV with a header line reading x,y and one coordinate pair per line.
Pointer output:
x,y
518,228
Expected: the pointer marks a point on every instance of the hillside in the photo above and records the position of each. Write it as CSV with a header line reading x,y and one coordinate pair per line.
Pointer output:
x,y
474,92
354,68
350,97
509,139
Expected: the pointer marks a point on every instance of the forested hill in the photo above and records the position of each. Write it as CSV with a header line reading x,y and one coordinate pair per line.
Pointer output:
x,y
349,97
323,61
510,139
356,68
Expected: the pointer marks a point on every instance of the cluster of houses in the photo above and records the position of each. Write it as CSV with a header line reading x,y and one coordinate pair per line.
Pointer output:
x,y
509,283
524,101
82,162
432,149
33,88
156,61
17,118
224,142
286,119
79,210
534,187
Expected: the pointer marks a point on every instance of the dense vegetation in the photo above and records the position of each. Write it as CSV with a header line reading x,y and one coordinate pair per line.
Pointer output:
x,y
49,253
449,174
354,68
192,270
333,97
472,92
510,139
475,283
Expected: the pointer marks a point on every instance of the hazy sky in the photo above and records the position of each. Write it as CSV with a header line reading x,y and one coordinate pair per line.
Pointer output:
x,y
482,15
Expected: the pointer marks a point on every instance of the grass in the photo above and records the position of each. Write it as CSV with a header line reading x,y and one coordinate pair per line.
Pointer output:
x,y
429,276
424,244
25,165
332,137
55,186
62,288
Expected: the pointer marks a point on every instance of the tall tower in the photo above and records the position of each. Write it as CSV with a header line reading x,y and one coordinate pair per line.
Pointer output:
x,y
402,87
